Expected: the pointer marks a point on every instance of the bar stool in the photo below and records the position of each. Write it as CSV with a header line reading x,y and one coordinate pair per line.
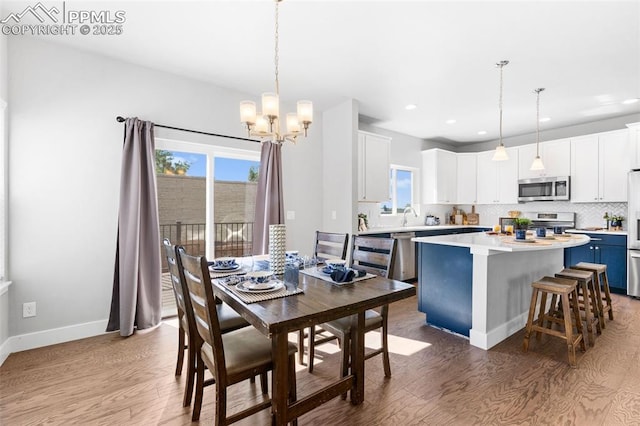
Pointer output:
x,y
566,290
586,289
602,285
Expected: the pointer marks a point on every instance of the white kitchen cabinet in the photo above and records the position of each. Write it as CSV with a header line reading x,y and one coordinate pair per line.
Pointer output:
x,y
373,167
599,167
634,144
466,178
497,181
439,177
556,157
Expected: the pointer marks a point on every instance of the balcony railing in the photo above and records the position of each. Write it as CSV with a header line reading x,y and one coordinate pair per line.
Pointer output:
x,y
231,238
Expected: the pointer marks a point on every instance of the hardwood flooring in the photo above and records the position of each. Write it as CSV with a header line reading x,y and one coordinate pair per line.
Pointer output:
x,y
437,379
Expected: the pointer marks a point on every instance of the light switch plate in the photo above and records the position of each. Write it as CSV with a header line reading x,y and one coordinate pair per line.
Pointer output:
x,y
291,215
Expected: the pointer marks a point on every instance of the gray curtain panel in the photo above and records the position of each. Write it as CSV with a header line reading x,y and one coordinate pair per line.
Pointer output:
x,y
269,201
136,300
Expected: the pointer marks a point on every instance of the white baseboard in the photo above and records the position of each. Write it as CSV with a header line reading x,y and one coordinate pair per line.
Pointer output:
x,y
53,336
498,334
4,351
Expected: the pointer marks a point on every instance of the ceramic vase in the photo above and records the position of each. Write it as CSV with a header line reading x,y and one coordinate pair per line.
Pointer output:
x,y
277,245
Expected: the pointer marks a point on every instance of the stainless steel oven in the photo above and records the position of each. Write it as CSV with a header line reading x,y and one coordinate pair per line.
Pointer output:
x,y
544,189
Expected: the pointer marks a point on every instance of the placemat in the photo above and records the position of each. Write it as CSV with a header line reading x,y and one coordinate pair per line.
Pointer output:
x,y
260,297
317,273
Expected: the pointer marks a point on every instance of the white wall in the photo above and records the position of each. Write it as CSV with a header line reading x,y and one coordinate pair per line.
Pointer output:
x,y
3,66
340,165
65,149
4,293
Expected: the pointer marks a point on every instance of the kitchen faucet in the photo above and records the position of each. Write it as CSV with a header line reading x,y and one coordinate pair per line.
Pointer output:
x,y
404,215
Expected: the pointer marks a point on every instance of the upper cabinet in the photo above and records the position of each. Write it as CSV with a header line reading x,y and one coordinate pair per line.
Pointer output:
x,y
555,155
497,181
599,167
439,177
466,178
634,144
373,167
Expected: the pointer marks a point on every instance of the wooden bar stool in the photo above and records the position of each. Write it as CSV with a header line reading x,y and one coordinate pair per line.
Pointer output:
x,y
588,302
602,287
566,290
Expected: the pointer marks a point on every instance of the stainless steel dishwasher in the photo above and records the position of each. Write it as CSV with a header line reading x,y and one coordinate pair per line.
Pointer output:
x,y
404,266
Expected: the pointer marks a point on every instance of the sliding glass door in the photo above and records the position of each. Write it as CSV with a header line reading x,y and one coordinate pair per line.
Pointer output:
x,y
206,201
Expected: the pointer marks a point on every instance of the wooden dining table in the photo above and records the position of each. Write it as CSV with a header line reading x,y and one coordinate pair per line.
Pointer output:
x,y
321,301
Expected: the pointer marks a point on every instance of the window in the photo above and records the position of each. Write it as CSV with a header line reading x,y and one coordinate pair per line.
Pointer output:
x,y
402,188
206,201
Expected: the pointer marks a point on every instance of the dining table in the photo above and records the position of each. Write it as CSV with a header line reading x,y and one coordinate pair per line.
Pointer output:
x,y
319,301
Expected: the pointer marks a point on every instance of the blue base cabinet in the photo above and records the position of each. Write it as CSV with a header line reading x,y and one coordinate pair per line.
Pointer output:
x,y
610,250
445,275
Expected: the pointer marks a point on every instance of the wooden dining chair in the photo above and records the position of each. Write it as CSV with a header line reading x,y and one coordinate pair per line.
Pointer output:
x,y
331,245
328,245
187,333
231,357
376,256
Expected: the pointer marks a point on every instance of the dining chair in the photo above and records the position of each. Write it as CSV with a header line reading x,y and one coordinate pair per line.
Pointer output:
x,y
331,245
375,256
233,356
187,333
328,245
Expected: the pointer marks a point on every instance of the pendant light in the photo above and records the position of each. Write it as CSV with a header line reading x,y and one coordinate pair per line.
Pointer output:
x,y
537,162
266,124
500,153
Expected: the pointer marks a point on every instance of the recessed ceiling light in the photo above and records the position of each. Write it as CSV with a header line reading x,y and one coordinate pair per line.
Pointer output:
x,y
410,107
630,101
450,121
482,132
545,119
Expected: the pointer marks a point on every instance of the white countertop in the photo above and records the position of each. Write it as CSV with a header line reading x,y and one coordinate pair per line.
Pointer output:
x,y
386,230
483,241
602,231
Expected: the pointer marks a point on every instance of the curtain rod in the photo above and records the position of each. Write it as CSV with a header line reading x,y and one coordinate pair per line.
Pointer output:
x,y
120,119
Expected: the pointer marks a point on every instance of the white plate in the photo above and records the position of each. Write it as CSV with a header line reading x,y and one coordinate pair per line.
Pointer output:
x,y
225,268
278,285
250,285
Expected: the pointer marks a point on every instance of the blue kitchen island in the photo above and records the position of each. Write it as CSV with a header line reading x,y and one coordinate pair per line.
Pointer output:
x,y
479,285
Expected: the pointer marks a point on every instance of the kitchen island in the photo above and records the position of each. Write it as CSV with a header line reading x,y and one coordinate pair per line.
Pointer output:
x,y
479,285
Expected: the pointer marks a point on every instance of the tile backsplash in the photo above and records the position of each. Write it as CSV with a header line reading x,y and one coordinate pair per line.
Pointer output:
x,y
587,214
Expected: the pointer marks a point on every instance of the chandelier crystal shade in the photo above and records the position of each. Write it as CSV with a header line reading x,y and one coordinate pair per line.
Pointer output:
x,y
266,124
500,153
537,162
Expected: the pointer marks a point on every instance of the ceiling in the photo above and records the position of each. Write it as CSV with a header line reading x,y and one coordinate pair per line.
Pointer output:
x,y
438,55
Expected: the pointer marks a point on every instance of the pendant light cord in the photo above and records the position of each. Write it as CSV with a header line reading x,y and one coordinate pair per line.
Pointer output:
x,y
500,103
538,120
501,65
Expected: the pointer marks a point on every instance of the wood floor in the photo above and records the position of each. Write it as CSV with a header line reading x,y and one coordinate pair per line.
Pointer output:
x,y
438,379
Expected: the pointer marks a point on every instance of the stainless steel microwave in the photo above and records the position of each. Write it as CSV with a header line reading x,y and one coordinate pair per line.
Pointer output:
x,y
544,189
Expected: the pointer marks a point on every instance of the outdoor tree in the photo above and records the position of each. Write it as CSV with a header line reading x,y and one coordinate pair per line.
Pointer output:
x,y
165,164
253,173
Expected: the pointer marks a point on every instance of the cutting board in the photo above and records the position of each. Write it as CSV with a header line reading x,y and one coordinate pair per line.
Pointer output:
x,y
473,218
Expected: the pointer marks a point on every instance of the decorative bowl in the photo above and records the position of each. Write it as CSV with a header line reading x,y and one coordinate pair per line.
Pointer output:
x,y
259,276
224,262
335,263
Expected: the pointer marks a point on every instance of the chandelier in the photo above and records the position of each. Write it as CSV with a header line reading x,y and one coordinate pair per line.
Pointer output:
x,y
266,124
537,162
500,153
